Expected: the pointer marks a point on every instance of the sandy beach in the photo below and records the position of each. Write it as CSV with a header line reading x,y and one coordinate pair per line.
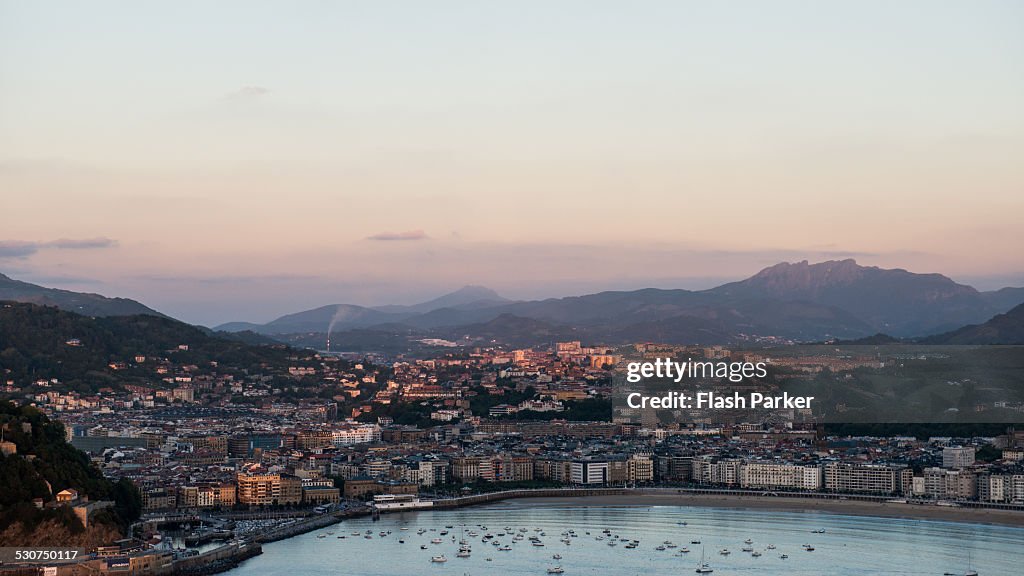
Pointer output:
x,y
850,507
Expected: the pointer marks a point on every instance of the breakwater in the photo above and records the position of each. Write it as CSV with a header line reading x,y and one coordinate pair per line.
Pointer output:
x,y
220,559
309,524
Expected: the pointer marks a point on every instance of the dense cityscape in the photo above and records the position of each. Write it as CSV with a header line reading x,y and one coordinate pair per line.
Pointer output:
x,y
324,428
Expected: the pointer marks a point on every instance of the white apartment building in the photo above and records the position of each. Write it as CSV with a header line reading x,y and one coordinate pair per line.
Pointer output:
x,y
355,434
588,472
778,475
707,470
957,457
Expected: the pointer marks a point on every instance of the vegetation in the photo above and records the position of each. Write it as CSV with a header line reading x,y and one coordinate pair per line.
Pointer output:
x,y
39,342
56,466
482,403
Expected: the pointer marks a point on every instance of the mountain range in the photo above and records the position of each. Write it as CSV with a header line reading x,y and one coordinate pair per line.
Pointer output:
x,y
797,301
800,301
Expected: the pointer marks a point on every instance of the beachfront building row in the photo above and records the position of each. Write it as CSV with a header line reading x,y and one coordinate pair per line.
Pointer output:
x,y
1001,488
832,476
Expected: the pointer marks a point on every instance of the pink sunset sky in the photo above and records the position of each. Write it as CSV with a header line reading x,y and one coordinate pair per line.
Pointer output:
x,y
240,160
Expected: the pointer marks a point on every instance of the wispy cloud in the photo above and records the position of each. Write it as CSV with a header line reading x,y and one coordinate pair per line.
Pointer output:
x,y
24,249
248,92
391,236
80,244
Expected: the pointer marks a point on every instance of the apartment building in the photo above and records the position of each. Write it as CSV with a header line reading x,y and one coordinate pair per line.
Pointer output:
x,y
778,475
867,478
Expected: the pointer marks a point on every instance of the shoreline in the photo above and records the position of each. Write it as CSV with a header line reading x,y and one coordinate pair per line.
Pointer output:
x,y
790,504
637,498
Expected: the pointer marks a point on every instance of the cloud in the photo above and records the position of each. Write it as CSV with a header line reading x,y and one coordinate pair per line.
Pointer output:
x,y
22,249
390,236
248,92
82,244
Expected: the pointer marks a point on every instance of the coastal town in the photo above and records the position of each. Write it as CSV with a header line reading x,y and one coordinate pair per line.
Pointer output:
x,y
331,435
324,428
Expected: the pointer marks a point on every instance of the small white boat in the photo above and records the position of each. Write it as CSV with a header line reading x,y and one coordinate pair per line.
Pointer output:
x,y
557,557
755,553
724,552
748,541
771,546
556,570
462,554
435,541
440,558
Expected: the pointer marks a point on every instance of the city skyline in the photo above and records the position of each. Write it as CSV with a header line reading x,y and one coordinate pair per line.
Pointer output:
x,y
253,161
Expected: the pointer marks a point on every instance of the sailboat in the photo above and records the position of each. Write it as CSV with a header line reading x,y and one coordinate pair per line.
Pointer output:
x,y
970,571
703,567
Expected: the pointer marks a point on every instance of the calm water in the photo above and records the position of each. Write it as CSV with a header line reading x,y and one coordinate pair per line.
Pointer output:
x,y
850,544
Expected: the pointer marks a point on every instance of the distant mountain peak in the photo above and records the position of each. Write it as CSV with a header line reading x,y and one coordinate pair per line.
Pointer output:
x,y
828,272
894,301
470,296
476,291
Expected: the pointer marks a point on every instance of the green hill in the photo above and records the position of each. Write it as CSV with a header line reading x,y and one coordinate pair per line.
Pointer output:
x,y
43,465
79,302
43,342
1001,329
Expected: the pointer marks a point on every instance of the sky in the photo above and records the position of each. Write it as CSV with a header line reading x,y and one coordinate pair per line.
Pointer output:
x,y
237,160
